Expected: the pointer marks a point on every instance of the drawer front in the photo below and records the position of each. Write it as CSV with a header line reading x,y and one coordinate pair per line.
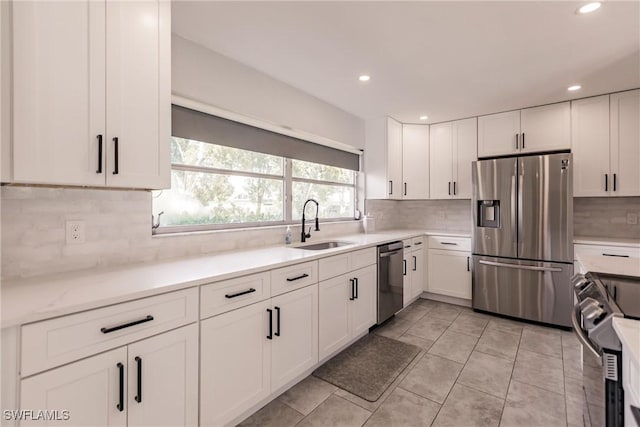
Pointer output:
x,y
450,243
607,251
64,339
363,258
293,277
334,266
228,295
418,242
407,245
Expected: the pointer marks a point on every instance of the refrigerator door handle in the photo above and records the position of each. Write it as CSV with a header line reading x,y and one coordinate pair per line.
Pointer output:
x,y
520,209
521,267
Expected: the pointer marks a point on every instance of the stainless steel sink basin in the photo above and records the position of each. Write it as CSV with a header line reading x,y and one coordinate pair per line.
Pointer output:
x,y
322,245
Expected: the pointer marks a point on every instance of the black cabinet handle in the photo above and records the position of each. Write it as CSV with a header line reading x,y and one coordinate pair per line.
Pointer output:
x,y
356,280
250,290
270,336
404,267
449,187
417,243
449,243
277,322
126,325
619,256
415,263
115,155
99,170
138,396
405,188
353,289
293,279
390,187
120,405
517,145
468,264
454,188
523,140
606,182
614,182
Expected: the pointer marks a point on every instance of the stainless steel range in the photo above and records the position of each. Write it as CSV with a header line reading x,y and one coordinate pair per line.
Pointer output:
x,y
600,298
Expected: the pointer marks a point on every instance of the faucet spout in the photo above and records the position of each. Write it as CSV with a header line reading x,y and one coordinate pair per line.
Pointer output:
x,y
304,236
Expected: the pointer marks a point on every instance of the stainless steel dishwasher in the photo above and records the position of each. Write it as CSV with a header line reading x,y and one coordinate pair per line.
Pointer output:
x,y
389,280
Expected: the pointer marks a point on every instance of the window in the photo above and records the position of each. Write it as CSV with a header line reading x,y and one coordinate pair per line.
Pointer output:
x,y
215,186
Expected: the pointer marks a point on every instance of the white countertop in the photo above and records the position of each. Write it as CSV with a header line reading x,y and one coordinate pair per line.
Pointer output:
x,y
628,331
606,241
38,298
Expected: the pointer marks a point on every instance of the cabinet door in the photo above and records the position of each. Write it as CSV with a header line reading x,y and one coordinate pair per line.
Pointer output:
x,y
546,128
363,308
465,151
590,146
88,389
625,143
417,273
235,372
497,134
295,342
406,278
58,92
163,379
138,93
333,312
449,273
415,161
441,156
394,159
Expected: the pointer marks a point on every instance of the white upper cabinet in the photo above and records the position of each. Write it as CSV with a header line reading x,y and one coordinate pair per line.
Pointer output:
x,y
394,159
453,148
90,74
537,129
546,128
497,134
625,143
590,146
415,161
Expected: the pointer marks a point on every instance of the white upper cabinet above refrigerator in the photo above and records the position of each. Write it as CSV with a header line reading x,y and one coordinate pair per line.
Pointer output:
x,y
91,93
498,134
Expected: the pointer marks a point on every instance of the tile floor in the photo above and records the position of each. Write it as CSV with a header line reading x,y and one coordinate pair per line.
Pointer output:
x,y
473,370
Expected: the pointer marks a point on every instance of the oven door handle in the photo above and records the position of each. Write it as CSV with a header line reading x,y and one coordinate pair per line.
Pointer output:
x,y
580,333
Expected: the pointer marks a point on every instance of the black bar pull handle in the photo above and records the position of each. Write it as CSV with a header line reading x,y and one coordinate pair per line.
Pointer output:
x,y
248,291
120,405
517,145
356,280
468,269
405,188
390,187
293,279
614,255
454,188
353,289
614,182
270,336
138,396
417,243
115,155
523,140
99,170
606,182
449,187
404,267
449,243
149,318
277,321
415,262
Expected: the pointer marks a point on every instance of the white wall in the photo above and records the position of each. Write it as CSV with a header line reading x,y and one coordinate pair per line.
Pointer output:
x,y
206,76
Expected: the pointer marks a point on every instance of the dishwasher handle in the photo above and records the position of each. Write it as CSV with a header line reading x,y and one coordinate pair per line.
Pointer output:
x,y
388,254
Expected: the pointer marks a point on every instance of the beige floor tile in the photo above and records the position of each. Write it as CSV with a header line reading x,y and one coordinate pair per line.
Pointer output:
x,y
530,406
335,411
468,407
412,313
505,325
469,324
305,396
499,343
417,341
429,328
432,377
403,408
275,414
486,373
539,370
547,343
454,346
445,312
393,328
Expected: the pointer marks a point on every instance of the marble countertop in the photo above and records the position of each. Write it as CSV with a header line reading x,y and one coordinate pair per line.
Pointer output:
x,y
628,331
33,299
581,240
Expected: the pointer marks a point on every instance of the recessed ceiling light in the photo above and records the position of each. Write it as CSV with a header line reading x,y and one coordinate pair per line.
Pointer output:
x,y
590,7
364,78
424,117
574,87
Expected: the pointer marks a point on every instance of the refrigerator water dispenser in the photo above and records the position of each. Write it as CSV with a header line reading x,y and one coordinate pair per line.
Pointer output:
x,y
489,213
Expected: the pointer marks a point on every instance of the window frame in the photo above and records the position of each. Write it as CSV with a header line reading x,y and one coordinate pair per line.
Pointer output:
x,y
287,179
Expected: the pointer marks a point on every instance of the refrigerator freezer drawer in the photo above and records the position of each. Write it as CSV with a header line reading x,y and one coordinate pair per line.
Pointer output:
x,y
539,291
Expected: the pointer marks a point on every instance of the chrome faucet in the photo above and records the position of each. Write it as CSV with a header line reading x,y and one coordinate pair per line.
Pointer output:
x,y
304,236
155,225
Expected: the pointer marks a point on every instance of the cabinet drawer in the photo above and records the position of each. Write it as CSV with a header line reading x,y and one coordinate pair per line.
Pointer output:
x,y
334,266
607,251
450,243
227,295
407,245
293,277
417,242
64,339
363,258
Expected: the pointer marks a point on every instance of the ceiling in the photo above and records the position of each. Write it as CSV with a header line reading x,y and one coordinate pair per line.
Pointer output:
x,y
447,60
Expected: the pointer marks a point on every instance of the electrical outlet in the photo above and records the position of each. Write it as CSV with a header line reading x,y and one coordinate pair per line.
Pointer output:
x,y
632,218
75,232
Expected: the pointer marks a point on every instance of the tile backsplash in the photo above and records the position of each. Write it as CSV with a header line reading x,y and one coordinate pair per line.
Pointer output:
x,y
118,231
442,215
606,217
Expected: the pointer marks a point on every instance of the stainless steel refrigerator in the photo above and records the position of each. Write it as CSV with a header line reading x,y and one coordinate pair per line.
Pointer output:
x,y
523,237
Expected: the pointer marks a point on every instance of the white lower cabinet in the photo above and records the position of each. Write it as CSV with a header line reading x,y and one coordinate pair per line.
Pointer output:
x,y
135,385
450,273
250,352
417,267
346,308
413,270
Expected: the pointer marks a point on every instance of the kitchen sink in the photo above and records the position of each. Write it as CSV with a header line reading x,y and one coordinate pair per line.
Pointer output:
x,y
322,245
